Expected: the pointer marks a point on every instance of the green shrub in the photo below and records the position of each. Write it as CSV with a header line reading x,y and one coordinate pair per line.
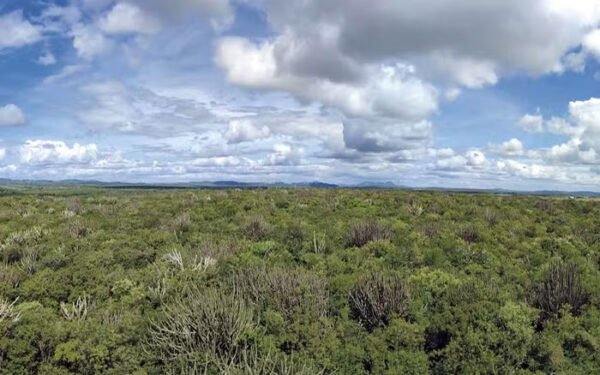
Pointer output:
x,y
376,298
562,285
287,291
362,233
201,321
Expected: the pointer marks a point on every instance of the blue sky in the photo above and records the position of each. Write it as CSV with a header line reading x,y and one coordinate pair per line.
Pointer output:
x,y
495,94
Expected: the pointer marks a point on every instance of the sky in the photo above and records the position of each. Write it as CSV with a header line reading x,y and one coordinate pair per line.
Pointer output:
x,y
421,93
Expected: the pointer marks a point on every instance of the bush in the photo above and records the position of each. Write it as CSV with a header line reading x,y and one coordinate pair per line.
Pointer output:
x,y
253,363
469,234
181,223
363,233
562,285
255,229
208,322
376,298
491,216
286,291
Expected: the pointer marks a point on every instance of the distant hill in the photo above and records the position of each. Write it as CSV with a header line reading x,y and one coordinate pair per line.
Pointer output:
x,y
227,184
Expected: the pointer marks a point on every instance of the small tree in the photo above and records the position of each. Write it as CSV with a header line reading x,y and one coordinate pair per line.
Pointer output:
x,y
562,285
376,298
208,322
256,228
283,290
363,233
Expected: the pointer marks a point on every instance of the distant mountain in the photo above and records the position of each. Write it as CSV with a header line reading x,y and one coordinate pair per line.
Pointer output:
x,y
230,183
371,184
225,184
322,185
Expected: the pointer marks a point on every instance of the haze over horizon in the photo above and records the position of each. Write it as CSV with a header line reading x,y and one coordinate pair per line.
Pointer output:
x,y
476,94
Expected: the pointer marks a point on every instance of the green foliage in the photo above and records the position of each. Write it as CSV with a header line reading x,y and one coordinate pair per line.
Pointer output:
x,y
562,285
296,281
375,299
201,322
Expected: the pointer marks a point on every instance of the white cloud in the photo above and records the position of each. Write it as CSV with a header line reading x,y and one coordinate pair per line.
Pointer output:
x,y
532,123
586,116
8,168
388,90
90,42
285,154
113,105
447,160
442,153
384,108
56,152
128,18
513,147
557,125
16,31
456,162
59,19
47,59
536,171
2,153
591,42
465,71
571,152
11,115
439,39
583,147
377,135
537,124
244,130
475,158
66,72
377,64
452,94
586,113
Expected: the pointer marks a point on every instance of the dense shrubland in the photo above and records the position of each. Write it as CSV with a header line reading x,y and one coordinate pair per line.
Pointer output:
x,y
297,281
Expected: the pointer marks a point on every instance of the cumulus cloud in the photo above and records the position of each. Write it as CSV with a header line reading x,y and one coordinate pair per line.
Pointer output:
x,y
377,64
535,171
285,154
591,42
244,130
16,31
537,124
441,38
586,116
384,106
11,115
46,59
475,158
90,42
388,89
532,123
377,135
513,147
456,162
59,19
557,125
447,160
583,128
56,152
354,89
128,18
